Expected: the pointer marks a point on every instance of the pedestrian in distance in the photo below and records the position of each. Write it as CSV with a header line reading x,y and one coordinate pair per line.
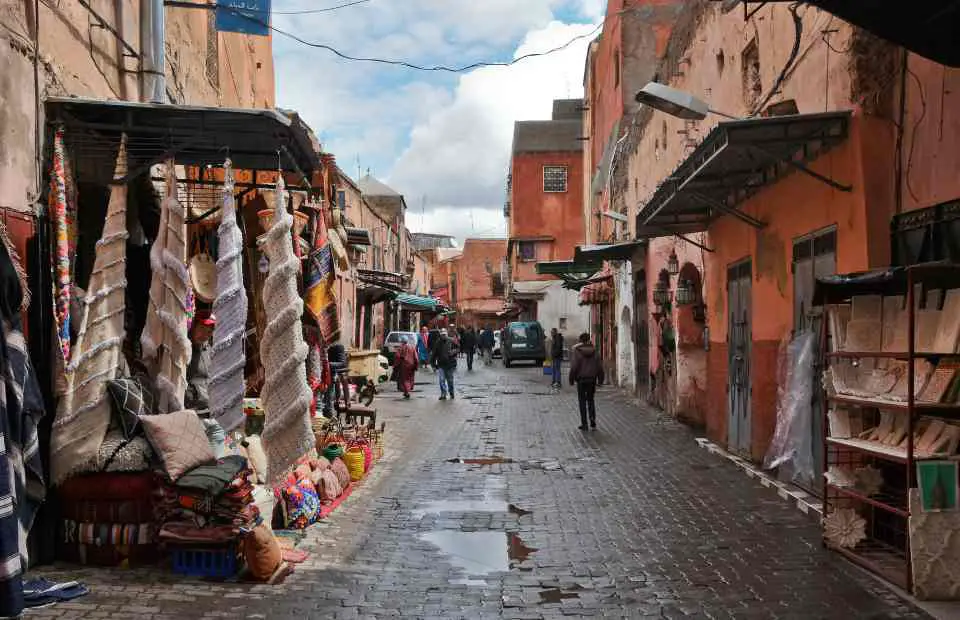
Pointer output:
x,y
487,342
406,362
586,372
556,356
468,344
423,349
443,357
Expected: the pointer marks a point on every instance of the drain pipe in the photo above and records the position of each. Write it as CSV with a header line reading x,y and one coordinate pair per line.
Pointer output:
x,y
153,83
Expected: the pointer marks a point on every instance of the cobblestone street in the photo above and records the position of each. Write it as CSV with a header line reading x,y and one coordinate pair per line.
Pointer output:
x,y
496,505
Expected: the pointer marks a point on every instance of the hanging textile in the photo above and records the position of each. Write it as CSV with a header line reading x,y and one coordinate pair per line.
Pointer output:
x,y
166,346
11,249
62,251
230,309
21,471
318,282
83,414
285,395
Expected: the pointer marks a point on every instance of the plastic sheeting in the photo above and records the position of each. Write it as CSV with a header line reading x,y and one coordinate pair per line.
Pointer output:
x,y
793,439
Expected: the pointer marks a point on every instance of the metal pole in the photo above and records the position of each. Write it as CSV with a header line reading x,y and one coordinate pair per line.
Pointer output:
x,y
152,37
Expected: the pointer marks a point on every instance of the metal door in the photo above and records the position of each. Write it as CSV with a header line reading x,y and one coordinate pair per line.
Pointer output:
x,y
641,336
814,256
739,337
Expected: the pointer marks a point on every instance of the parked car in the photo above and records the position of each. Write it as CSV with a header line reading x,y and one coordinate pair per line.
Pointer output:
x,y
497,337
524,341
392,342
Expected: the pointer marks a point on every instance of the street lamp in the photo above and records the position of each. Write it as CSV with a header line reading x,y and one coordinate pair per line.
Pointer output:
x,y
673,263
676,102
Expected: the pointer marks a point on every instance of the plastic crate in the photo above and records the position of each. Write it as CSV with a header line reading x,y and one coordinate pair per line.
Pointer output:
x,y
221,562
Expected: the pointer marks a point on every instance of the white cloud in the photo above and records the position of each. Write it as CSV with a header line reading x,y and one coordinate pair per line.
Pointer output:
x,y
459,156
440,135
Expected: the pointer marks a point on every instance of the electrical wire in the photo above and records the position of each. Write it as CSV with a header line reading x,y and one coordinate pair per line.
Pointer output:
x,y
913,135
798,28
313,11
409,65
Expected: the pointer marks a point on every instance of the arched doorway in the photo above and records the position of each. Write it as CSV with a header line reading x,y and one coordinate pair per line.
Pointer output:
x,y
691,353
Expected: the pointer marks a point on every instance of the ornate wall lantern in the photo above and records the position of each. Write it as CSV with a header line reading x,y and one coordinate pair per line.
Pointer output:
x,y
661,293
686,294
673,263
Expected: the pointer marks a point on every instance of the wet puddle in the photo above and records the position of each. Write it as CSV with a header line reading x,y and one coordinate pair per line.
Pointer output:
x,y
479,554
555,595
492,499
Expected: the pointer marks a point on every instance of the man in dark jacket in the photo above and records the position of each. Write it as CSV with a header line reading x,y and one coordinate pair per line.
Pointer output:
x,y
443,357
468,344
487,343
556,356
586,371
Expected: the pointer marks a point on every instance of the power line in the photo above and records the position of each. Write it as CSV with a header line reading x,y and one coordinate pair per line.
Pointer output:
x,y
312,11
409,65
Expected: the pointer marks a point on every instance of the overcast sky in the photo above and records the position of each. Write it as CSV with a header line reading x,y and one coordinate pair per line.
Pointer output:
x,y
441,139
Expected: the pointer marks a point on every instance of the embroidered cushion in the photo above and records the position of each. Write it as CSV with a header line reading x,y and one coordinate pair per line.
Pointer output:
x,y
131,400
301,505
180,440
120,453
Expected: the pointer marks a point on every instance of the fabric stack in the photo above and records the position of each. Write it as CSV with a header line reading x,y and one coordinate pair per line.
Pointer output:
x,y
109,519
210,506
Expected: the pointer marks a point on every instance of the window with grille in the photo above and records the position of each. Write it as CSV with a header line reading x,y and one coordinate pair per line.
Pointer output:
x,y
554,178
527,250
341,199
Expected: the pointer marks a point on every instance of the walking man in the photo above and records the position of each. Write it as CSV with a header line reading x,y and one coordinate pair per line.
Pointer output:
x,y
556,355
586,371
468,344
486,345
443,357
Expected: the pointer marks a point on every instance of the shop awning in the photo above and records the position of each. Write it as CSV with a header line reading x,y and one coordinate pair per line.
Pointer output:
x,y
609,251
383,279
417,302
193,135
566,267
357,236
734,161
530,290
930,28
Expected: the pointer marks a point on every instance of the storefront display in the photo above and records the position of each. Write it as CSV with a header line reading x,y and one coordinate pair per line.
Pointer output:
x,y
892,434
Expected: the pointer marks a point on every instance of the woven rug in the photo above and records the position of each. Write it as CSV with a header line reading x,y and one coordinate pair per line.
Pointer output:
x,y
230,307
83,415
285,396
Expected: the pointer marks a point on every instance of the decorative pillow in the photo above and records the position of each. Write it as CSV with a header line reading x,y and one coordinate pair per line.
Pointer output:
x,y
262,552
257,457
301,504
120,453
329,488
338,467
131,400
180,440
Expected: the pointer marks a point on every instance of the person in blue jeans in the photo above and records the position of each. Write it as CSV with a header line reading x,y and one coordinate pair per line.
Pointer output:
x,y
556,355
443,358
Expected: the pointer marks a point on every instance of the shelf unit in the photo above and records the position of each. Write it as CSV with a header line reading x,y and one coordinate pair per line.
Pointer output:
x,y
886,550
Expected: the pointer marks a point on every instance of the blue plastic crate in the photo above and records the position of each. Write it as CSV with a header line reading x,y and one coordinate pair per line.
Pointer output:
x,y
219,562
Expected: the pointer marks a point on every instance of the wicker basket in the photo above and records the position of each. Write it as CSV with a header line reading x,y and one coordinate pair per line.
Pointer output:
x,y
354,458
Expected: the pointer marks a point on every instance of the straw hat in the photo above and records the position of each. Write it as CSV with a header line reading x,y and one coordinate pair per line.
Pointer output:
x,y
203,277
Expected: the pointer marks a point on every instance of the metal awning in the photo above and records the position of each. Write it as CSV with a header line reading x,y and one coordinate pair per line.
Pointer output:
x,y
564,267
417,302
609,251
734,161
930,28
383,279
193,135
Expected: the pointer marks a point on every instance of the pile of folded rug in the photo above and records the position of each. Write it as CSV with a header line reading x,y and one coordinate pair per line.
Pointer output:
x,y
209,505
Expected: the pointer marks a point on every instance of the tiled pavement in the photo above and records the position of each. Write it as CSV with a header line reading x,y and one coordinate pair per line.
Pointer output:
x,y
632,520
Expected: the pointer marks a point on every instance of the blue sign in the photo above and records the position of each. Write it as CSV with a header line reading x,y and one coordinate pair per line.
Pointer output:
x,y
244,16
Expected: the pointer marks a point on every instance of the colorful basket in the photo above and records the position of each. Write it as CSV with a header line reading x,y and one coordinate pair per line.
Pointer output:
x,y
354,458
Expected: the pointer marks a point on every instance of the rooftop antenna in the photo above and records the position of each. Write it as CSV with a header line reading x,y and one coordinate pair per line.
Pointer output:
x,y
358,167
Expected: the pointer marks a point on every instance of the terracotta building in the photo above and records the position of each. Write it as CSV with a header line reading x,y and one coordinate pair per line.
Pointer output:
x,y
742,216
545,216
479,276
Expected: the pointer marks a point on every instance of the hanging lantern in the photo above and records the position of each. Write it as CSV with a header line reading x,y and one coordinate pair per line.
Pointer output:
x,y
661,293
673,263
686,294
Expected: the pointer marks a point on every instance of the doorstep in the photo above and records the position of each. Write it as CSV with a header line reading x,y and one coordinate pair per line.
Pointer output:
x,y
811,505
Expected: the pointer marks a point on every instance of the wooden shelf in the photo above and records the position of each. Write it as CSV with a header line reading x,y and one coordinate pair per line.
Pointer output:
x,y
897,405
890,453
886,354
879,501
